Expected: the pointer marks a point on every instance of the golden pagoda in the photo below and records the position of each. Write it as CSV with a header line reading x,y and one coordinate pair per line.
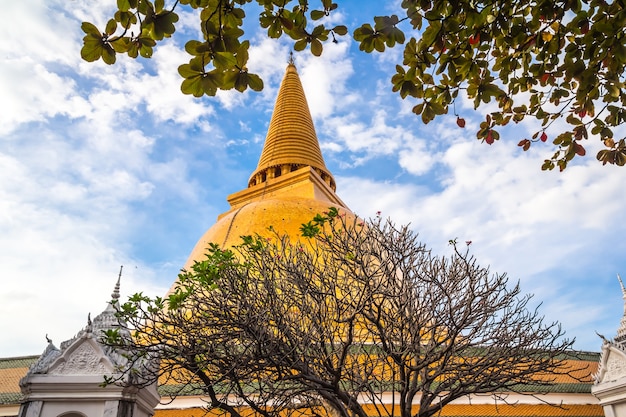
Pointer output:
x,y
291,183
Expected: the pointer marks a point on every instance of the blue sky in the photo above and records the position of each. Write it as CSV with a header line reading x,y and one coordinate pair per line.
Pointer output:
x,y
103,166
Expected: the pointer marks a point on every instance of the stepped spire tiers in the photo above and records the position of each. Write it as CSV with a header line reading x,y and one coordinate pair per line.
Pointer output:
x,y
290,185
291,142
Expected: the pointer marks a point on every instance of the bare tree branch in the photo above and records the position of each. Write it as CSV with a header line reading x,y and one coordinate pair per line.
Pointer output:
x,y
342,321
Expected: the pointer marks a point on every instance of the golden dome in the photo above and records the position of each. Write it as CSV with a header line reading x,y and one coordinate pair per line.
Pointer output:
x,y
284,215
290,185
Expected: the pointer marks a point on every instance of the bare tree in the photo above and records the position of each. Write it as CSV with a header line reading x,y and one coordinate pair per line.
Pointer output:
x,y
352,319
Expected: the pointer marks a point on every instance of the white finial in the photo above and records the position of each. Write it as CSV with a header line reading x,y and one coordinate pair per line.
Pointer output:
x,y
621,283
89,327
116,291
621,331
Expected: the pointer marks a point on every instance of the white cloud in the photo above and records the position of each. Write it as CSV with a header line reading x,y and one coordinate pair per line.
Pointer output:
x,y
268,58
57,253
379,135
39,32
415,158
530,223
34,94
161,91
324,79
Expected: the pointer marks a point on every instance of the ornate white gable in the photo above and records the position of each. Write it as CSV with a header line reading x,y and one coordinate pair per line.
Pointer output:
x,y
69,380
610,381
612,364
84,357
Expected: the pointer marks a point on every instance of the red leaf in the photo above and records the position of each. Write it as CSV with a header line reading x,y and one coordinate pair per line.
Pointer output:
x,y
525,144
582,113
474,39
580,151
544,78
584,26
460,121
489,137
543,137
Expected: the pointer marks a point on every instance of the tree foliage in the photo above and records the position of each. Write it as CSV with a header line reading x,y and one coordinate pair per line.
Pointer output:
x,y
548,60
338,319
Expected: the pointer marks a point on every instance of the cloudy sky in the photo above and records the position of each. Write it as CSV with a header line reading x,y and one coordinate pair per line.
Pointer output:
x,y
103,166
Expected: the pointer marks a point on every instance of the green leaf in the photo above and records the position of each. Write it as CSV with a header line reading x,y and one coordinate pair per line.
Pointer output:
x,y
275,30
255,82
430,34
146,47
428,113
241,81
189,71
300,45
211,81
229,80
309,229
145,7
125,18
192,85
163,25
122,45
123,5
242,54
317,14
111,27
193,46
340,30
548,165
90,29
316,47
363,32
92,48
224,60
133,50
108,54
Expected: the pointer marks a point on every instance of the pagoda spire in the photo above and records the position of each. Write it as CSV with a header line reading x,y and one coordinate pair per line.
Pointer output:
x,y
115,295
291,142
621,331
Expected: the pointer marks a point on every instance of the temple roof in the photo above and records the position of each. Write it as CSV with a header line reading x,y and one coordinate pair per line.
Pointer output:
x,y
460,410
291,142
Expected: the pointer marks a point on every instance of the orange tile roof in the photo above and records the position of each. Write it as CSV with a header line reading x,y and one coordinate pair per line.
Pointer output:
x,y
486,410
456,410
11,371
10,378
580,371
187,412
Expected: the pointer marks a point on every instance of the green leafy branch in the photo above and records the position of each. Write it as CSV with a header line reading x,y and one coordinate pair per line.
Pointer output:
x,y
545,60
219,59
